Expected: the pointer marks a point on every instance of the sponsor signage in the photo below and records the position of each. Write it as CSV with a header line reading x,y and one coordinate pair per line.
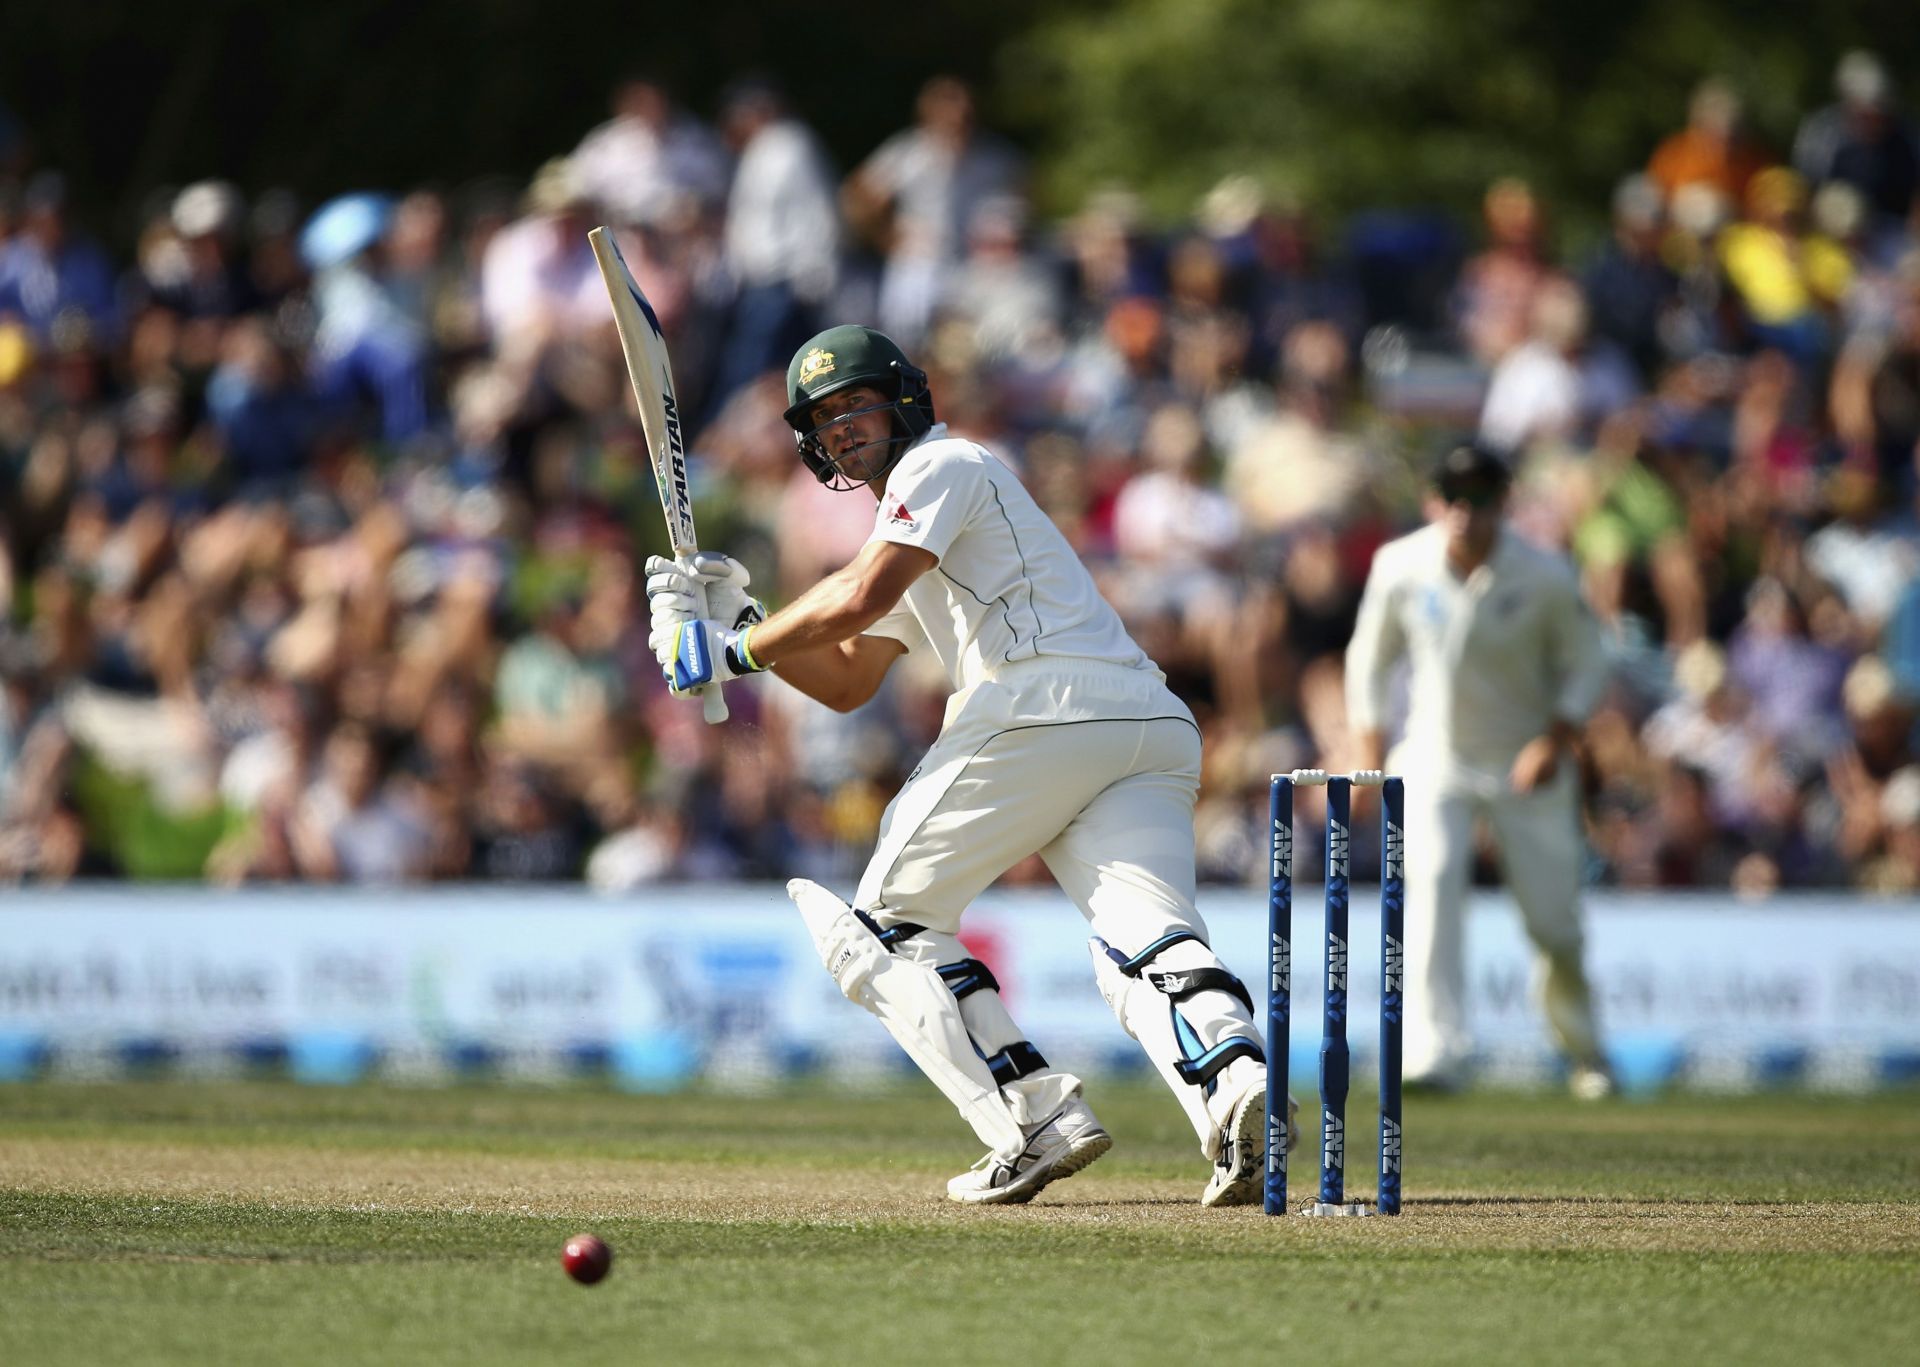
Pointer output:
x,y
730,971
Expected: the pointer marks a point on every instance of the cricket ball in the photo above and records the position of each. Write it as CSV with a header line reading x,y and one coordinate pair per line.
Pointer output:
x,y
586,1258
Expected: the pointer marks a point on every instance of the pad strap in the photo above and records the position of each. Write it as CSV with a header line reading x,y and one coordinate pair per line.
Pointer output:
x,y
1015,1062
888,935
1186,982
968,976
963,978
1131,967
1201,1071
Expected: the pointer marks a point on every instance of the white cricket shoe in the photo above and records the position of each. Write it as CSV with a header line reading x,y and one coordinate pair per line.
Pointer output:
x,y
1240,1172
1592,1082
1056,1148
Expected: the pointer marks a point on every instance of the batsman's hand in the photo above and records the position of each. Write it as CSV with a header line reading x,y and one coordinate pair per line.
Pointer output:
x,y
674,588
1535,765
701,652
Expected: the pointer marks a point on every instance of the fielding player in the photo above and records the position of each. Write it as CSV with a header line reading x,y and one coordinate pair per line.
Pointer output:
x,y
1506,664
1060,738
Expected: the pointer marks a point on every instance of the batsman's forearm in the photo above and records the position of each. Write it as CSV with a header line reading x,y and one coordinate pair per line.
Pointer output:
x,y
836,609
822,674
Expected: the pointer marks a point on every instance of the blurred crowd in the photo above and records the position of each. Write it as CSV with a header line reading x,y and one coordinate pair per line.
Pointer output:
x,y
320,524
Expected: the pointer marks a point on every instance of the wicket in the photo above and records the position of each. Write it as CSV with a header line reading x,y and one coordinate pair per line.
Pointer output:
x,y
1333,1035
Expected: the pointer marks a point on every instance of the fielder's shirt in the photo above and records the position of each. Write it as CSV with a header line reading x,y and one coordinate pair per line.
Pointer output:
x,y
1496,657
1008,587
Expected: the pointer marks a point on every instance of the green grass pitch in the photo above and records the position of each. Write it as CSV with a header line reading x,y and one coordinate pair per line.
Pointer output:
x,y
258,1222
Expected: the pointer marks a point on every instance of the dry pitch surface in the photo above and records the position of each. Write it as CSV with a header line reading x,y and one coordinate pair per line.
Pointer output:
x,y
251,1222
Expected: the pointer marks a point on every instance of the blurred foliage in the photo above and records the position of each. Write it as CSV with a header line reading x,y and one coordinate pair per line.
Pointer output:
x,y
1345,104
1340,103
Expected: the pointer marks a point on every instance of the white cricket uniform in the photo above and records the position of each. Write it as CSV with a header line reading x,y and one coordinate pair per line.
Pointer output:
x,y
1495,659
1061,738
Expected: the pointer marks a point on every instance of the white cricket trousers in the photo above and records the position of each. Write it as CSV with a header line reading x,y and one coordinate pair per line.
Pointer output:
x,y
1541,851
1095,767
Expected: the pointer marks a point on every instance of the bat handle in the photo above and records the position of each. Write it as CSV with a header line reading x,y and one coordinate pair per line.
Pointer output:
x,y
713,705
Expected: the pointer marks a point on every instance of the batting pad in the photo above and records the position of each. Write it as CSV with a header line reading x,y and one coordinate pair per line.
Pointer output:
x,y
1176,1037
918,1009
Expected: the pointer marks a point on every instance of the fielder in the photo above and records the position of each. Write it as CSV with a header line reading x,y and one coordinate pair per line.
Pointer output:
x,y
1507,663
1061,737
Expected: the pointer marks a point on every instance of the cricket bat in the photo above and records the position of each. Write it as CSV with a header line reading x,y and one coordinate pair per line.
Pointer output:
x,y
652,375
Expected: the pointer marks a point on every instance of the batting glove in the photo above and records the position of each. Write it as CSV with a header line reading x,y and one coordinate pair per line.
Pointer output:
x,y
674,588
700,652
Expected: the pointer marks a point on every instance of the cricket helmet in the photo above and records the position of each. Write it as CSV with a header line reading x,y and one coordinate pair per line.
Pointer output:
x,y
840,358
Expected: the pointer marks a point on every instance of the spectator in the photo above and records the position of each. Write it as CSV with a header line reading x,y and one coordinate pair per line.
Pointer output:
x,y
1495,295
1174,533
1863,140
262,411
1005,294
1712,150
213,283
1536,394
1875,393
911,199
539,280
366,348
1278,268
1896,870
1793,679
351,824
423,279
1788,280
1630,527
1108,255
1871,778
782,234
645,851
235,518
1301,466
1631,292
274,268
1903,641
521,832
651,162
49,273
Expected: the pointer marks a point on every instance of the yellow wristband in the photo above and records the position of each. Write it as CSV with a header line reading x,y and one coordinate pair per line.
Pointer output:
x,y
746,649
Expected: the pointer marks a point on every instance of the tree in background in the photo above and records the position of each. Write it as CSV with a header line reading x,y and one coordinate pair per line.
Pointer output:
x,y
1351,104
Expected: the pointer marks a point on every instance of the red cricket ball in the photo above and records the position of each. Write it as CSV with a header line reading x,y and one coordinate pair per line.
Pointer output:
x,y
586,1258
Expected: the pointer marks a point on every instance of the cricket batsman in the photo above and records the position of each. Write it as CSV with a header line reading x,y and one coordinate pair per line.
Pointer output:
x,y
1506,663
1060,738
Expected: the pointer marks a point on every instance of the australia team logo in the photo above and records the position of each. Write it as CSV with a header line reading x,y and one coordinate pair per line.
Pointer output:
x,y
815,364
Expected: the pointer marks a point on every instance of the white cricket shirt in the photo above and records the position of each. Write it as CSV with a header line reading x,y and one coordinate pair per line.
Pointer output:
x,y
1496,657
1008,586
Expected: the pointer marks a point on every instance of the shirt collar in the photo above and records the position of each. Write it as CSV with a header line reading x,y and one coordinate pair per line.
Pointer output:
x,y
1498,559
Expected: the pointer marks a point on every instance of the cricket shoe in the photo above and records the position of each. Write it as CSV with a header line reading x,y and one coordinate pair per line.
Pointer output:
x,y
1592,1082
1056,1148
1239,1173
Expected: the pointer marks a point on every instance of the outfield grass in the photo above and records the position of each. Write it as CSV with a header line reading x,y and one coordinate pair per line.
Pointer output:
x,y
265,1223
